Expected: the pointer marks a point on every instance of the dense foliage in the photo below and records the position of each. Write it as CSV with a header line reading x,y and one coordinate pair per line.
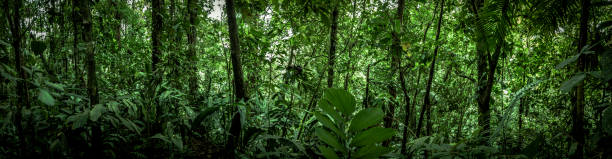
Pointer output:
x,y
305,79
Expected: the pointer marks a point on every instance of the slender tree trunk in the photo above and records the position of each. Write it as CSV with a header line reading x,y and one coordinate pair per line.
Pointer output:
x,y
235,128
75,45
332,48
22,88
366,99
520,114
191,39
117,25
432,67
578,109
92,87
418,125
156,33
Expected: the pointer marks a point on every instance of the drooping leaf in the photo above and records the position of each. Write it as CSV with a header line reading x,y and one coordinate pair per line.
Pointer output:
x,y
329,110
534,147
79,120
202,115
341,99
328,152
371,151
59,87
366,118
329,139
161,137
568,61
45,97
328,123
372,136
96,112
607,120
572,82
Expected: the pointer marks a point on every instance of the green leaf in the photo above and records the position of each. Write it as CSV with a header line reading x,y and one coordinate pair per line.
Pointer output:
x,y
371,151
341,99
161,137
534,147
329,139
79,120
96,112
207,112
325,121
372,136
366,118
328,152
329,110
572,82
568,61
607,120
59,87
45,97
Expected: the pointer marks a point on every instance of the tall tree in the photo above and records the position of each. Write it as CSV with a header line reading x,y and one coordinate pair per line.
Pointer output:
x,y
92,84
332,47
239,89
578,109
192,8
156,33
432,69
14,20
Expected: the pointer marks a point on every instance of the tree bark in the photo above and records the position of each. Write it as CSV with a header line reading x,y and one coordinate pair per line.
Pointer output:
x,y
426,101
332,48
235,128
22,88
92,85
191,39
577,131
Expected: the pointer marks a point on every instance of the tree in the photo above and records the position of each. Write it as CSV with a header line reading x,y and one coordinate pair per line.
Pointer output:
x,y
432,68
239,89
577,113
92,84
192,39
14,20
331,59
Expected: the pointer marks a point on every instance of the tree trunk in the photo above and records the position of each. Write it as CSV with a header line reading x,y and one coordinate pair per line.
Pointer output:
x,y
191,39
22,88
578,109
92,87
332,48
156,34
75,49
432,67
366,98
235,128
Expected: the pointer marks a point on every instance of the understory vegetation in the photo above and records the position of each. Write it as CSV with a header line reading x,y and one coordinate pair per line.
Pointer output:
x,y
306,79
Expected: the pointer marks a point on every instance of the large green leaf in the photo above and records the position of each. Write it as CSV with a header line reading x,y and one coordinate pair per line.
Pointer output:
x,y
371,151
329,139
45,97
366,118
329,110
341,99
607,120
572,82
328,152
203,114
96,112
568,61
79,120
372,136
324,120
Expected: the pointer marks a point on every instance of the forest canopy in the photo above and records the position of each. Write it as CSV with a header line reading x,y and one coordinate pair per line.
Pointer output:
x,y
306,79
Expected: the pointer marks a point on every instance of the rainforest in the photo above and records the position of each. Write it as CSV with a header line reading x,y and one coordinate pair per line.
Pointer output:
x,y
334,79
